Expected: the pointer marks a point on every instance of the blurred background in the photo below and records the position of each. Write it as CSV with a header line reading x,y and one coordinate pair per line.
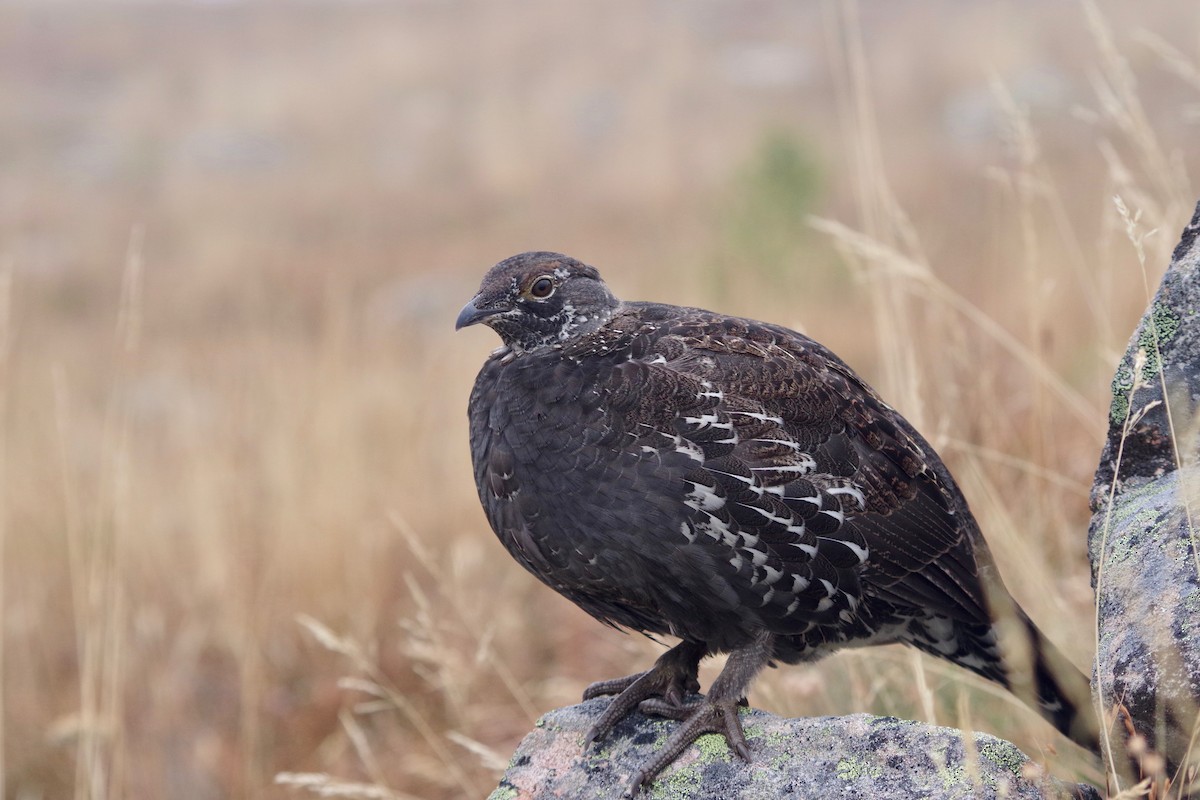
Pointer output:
x,y
242,552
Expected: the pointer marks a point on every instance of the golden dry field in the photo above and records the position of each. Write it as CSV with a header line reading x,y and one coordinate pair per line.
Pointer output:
x,y
242,554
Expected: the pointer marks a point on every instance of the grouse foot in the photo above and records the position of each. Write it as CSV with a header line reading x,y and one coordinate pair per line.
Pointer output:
x,y
670,680
718,713
699,718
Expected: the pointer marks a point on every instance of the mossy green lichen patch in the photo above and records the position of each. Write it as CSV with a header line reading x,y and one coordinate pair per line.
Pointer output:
x,y
1189,623
1191,603
683,781
777,738
503,792
1160,328
954,775
1142,515
955,780
712,746
849,769
1122,385
678,784
1003,754
754,731
1164,324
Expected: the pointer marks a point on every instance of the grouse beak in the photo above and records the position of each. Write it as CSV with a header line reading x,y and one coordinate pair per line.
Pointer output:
x,y
472,314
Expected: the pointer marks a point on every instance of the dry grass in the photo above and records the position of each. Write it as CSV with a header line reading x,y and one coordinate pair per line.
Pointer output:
x,y
239,532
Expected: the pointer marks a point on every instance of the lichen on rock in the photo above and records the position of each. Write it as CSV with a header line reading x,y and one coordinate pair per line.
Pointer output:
x,y
1142,538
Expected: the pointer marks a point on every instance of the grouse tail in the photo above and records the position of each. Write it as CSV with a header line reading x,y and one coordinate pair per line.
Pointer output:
x,y
1060,691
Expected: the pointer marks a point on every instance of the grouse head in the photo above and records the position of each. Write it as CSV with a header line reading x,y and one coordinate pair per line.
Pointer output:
x,y
539,299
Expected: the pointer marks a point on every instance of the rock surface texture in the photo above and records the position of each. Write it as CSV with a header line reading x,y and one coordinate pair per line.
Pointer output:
x,y
1142,538
858,756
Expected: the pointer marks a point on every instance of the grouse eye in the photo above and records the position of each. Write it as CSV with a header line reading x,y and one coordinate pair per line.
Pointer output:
x,y
542,287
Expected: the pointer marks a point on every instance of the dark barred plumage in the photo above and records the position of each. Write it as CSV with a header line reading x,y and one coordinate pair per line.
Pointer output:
x,y
725,481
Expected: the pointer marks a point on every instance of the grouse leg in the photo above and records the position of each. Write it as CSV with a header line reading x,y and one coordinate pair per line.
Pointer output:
x,y
718,713
671,678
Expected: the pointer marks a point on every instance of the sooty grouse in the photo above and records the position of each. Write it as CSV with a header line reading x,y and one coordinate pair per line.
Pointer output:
x,y
728,482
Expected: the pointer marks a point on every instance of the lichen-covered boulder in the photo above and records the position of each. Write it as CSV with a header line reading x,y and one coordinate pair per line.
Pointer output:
x,y
858,756
1142,538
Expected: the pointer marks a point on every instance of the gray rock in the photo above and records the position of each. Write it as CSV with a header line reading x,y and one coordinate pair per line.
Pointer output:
x,y
859,756
1145,510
